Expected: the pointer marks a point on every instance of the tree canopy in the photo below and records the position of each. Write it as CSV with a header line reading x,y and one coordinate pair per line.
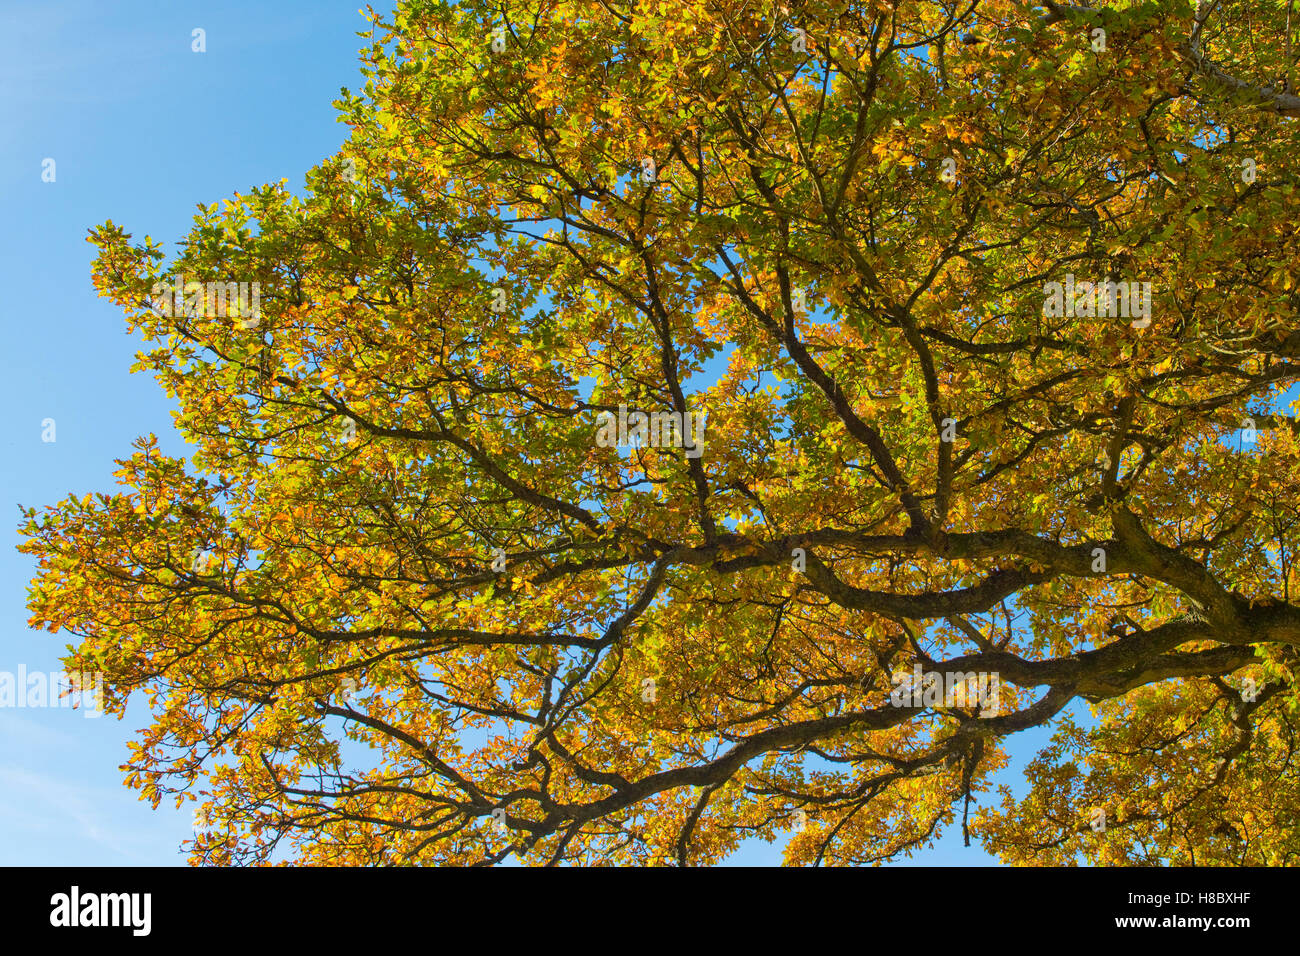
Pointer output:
x,y
988,312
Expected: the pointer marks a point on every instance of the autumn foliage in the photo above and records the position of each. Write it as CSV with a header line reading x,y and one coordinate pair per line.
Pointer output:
x,y
399,606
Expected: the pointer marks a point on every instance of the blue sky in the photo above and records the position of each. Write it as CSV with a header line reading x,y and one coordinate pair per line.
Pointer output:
x,y
141,129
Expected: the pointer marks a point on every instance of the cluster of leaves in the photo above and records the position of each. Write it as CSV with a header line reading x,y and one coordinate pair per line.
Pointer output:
x,y
399,606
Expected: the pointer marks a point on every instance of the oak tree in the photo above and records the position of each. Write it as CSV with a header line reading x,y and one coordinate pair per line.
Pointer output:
x,y
988,309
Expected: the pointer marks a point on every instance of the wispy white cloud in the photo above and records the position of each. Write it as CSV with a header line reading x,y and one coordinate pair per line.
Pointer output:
x,y
18,731
48,804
